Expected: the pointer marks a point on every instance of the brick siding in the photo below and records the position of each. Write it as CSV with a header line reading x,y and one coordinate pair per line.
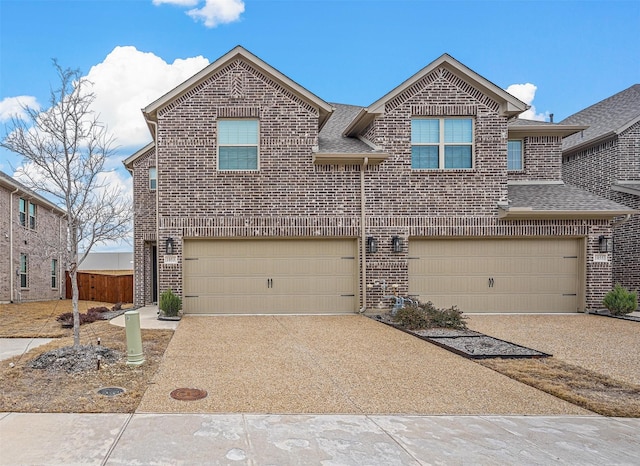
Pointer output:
x,y
291,197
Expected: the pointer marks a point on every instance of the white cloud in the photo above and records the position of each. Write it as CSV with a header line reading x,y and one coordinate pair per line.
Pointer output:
x,y
128,80
213,12
526,93
14,107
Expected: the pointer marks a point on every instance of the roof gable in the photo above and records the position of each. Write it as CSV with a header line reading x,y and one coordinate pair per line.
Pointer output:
x,y
605,119
239,52
508,104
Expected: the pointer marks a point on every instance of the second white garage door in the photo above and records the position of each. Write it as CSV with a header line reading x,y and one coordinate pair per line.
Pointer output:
x,y
497,275
306,276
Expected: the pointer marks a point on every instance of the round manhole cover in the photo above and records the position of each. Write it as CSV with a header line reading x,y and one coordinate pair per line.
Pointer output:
x,y
188,394
110,391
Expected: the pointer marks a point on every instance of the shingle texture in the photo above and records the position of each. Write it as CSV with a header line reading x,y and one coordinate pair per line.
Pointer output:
x,y
606,117
330,139
550,197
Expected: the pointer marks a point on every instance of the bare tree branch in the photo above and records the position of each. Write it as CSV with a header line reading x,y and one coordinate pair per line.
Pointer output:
x,y
64,150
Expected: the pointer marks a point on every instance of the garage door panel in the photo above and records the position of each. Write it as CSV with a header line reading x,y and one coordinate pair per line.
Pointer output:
x,y
496,275
270,276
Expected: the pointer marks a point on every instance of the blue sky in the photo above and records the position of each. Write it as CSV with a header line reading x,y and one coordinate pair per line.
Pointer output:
x,y
570,53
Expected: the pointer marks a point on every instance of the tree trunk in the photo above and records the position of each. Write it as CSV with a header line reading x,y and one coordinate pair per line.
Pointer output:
x,y
74,300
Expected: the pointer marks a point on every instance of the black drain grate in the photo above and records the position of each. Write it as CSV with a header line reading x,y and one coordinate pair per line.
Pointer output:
x,y
111,391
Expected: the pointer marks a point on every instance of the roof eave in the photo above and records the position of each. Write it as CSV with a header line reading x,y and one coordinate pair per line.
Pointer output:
x,y
632,188
24,191
590,142
335,158
129,161
545,130
519,213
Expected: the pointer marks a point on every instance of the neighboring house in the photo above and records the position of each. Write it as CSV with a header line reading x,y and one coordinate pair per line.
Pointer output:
x,y
257,196
33,239
605,159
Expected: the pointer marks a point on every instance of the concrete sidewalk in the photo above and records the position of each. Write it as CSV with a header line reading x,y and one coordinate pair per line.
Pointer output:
x,y
194,439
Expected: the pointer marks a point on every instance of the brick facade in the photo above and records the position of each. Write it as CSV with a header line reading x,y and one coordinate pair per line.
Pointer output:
x,y
596,169
291,197
40,245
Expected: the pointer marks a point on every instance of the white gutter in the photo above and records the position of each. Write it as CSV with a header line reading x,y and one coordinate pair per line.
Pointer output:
x,y
11,273
363,232
619,222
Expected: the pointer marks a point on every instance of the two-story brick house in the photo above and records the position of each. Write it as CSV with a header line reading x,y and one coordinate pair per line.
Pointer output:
x,y
33,239
605,159
257,196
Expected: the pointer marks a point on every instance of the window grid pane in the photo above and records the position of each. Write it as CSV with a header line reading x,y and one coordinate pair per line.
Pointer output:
x,y
23,270
457,157
457,130
514,155
424,157
425,131
54,273
238,158
238,132
153,178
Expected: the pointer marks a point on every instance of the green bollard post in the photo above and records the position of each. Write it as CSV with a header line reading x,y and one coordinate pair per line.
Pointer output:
x,y
135,356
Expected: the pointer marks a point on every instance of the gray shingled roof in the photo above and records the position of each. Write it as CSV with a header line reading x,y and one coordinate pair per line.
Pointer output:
x,y
330,139
607,117
560,197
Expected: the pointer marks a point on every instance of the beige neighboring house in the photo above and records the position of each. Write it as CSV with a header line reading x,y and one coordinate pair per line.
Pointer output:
x,y
33,237
257,196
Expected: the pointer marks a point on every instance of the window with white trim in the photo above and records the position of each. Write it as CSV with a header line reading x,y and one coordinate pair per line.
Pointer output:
x,y
238,144
153,178
514,155
54,273
441,143
32,216
23,211
23,272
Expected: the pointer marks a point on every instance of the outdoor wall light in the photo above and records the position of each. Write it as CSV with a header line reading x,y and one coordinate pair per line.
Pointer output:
x,y
605,244
372,244
396,244
169,246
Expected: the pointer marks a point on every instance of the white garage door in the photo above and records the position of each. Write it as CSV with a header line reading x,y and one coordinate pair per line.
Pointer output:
x,y
497,275
270,276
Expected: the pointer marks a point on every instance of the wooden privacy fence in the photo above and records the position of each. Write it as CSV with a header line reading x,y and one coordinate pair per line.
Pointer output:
x,y
109,288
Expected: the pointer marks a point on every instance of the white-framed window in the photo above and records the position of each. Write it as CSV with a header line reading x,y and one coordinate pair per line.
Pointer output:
x,y
153,178
23,272
23,211
238,144
32,216
514,155
441,143
54,273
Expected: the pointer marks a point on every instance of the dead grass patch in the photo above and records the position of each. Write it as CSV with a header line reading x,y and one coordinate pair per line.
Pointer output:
x,y
37,319
582,387
23,389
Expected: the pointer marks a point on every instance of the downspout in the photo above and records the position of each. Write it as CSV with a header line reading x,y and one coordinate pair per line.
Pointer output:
x,y
623,220
11,272
157,273
363,232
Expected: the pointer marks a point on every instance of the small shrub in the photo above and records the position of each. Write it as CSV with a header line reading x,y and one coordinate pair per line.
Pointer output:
x,y
89,317
98,309
425,315
170,303
620,300
116,307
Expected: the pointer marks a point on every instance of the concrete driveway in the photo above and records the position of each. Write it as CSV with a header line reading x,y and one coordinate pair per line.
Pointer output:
x,y
328,365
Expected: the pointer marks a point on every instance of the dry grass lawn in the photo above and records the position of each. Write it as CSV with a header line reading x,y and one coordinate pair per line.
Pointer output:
x,y
582,387
23,389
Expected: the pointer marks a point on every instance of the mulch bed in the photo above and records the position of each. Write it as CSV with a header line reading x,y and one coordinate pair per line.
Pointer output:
x,y
467,343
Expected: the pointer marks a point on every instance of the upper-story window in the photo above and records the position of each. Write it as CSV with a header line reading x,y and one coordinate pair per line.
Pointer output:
x,y
238,144
153,178
32,216
23,212
514,154
441,143
27,214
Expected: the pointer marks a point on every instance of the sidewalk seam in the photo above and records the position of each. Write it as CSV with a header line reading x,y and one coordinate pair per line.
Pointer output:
x,y
116,440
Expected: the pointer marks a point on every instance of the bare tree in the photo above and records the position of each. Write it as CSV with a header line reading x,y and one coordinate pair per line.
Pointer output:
x,y
64,150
